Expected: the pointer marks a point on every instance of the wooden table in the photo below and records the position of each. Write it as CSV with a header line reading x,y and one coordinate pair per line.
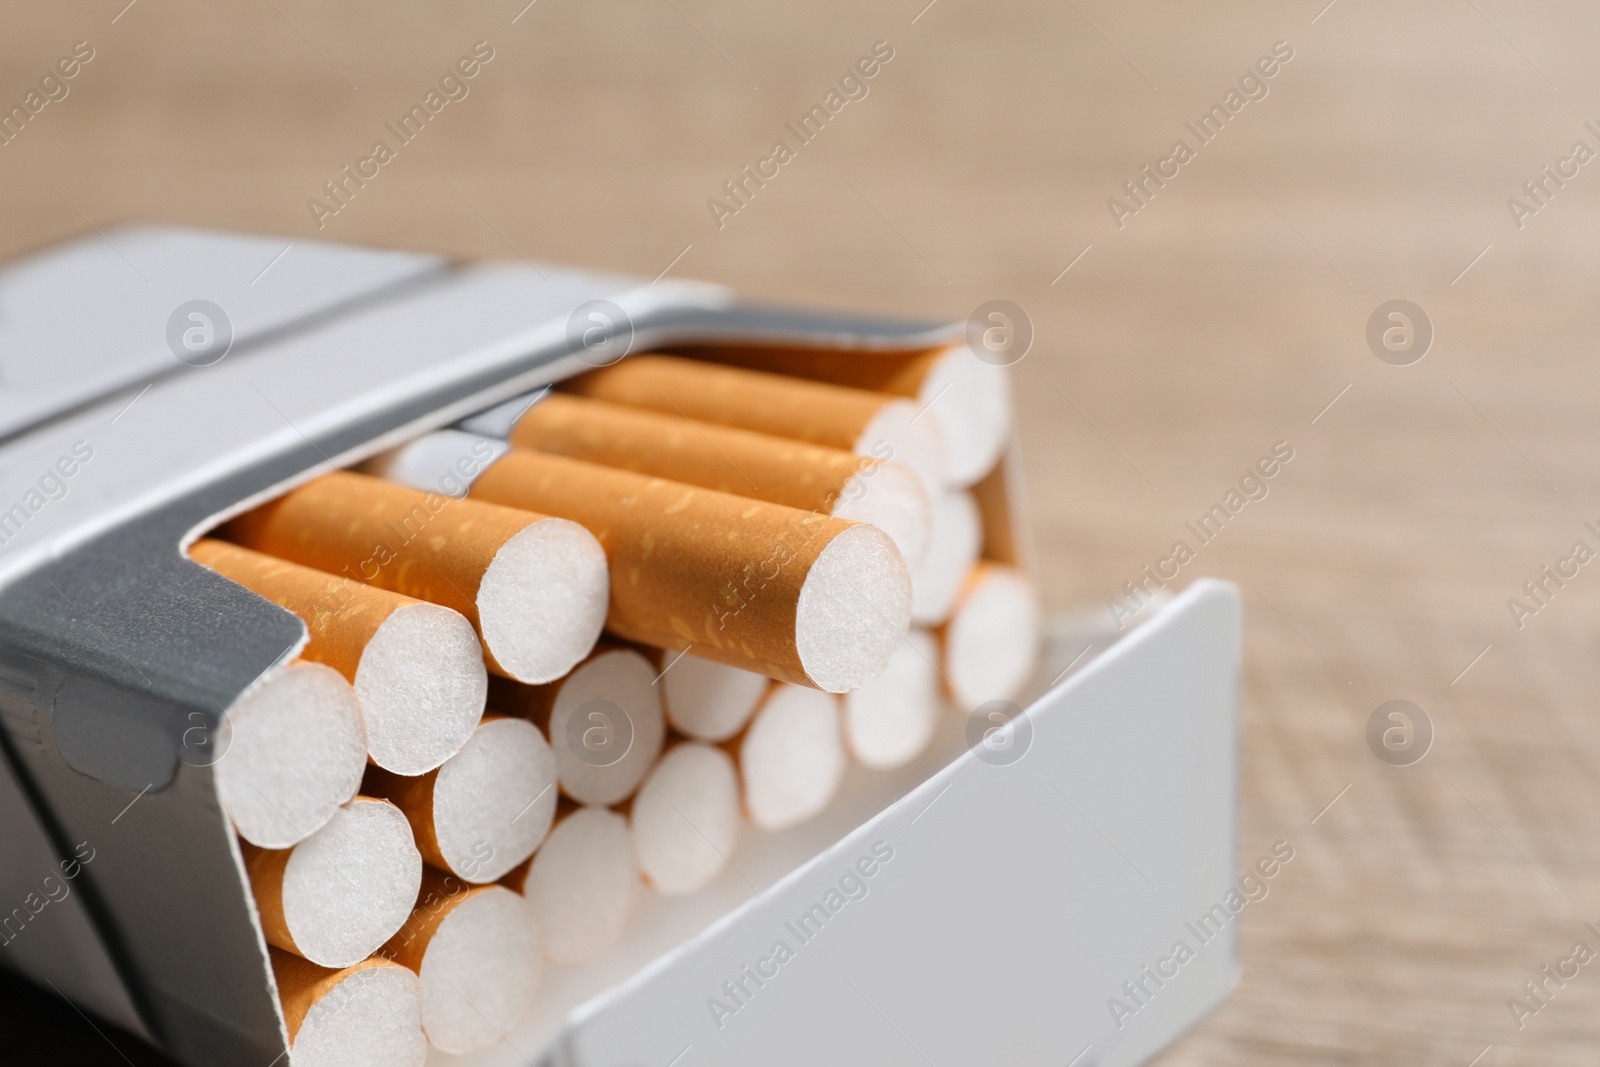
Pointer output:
x,y
1227,314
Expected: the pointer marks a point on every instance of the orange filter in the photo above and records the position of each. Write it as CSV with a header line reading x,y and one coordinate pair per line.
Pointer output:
x,y
966,392
366,1015
787,593
874,425
534,587
342,892
487,808
477,951
780,470
417,667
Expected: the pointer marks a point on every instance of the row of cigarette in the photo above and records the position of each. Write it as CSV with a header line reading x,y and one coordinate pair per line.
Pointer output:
x,y
686,593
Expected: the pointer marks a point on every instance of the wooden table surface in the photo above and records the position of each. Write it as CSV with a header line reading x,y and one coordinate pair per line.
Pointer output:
x,y
1227,314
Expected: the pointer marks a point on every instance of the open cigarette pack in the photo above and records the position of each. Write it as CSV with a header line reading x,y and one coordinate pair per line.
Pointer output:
x,y
407,661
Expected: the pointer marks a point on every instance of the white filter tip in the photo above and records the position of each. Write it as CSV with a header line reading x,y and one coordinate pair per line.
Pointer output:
x,y
854,608
686,818
493,801
889,721
957,540
992,642
292,750
899,433
543,600
970,401
373,1018
583,885
792,757
480,973
348,887
891,497
709,701
606,727
422,686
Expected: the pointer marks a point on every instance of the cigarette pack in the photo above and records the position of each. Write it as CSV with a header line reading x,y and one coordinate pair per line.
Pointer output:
x,y
1016,902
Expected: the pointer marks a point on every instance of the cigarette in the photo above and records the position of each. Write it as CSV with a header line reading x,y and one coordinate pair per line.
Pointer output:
x,y
793,595
791,757
889,722
603,720
685,818
706,700
365,1015
582,884
991,643
872,425
337,896
417,667
969,398
779,470
476,949
957,540
487,808
293,752
533,587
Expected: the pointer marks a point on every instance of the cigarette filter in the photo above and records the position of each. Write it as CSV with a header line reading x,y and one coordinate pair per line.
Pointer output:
x,y
476,949
991,643
779,470
791,757
366,1015
874,425
535,587
487,808
293,750
417,667
685,818
802,597
957,540
342,892
889,721
707,700
582,884
604,722
967,396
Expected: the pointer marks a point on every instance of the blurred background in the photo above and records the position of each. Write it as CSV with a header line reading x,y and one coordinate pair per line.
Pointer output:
x,y
1226,314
